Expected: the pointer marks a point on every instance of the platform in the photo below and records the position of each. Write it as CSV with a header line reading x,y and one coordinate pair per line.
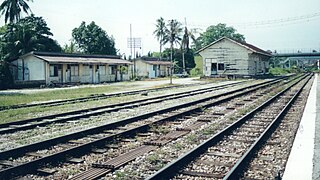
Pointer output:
x,y
300,164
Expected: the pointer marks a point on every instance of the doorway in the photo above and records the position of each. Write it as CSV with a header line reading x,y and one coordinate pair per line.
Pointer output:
x,y
214,69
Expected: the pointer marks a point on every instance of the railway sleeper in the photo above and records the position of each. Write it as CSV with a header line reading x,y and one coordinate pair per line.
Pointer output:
x,y
202,174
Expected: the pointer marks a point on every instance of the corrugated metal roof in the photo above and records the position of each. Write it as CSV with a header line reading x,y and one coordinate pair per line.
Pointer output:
x,y
246,45
82,60
77,58
158,62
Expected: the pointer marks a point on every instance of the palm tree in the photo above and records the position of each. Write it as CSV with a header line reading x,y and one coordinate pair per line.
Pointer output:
x,y
173,35
11,9
160,33
185,42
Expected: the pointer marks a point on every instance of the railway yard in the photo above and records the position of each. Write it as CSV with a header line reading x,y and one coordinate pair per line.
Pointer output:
x,y
241,129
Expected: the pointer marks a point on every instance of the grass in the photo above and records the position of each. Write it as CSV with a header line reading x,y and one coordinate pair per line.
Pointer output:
x,y
13,99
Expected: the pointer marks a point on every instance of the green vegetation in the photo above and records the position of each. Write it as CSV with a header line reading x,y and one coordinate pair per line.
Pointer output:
x,y
12,9
216,32
14,99
28,34
92,39
160,33
282,71
196,71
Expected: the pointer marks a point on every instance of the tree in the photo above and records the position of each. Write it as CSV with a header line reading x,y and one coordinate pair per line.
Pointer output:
x,y
173,35
70,48
5,75
160,33
185,42
177,59
29,34
92,39
216,32
11,9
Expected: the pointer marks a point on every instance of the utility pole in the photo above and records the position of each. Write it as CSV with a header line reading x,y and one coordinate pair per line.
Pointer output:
x,y
132,68
171,47
133,43
183,46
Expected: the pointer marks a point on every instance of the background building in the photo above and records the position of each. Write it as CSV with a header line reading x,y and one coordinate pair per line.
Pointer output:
x,y
226,57
152,67
47,68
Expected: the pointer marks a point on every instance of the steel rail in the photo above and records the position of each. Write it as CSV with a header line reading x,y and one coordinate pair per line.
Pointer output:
x,y
237,170
5,127
91,97
172,168
30,167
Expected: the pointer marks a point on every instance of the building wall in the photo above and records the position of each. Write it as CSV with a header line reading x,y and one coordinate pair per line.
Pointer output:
x,y
147,70
30,69
258,64
38,70
142,68
234,57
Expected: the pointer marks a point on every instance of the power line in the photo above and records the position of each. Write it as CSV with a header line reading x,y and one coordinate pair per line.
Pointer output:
x,y
269,23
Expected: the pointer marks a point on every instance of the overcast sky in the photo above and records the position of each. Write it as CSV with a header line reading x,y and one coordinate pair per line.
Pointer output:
x,y
284,25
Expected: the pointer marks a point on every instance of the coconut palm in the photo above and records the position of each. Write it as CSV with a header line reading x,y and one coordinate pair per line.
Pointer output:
x,y
173,35
160,33
185,42
11,9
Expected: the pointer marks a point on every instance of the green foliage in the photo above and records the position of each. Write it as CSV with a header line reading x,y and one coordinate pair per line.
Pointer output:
x,y
173,33
279,71
5,76
160,33
177,58
196,71
29,34
70,48
11,9
92,39
216,32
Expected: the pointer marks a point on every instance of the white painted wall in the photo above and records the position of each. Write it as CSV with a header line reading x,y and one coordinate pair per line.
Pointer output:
x,y
142,68
236,56
35,69
228,53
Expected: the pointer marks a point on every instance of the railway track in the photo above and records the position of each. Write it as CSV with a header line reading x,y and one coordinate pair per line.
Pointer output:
x,y
83,142
26,124
227,154
92,97
270,160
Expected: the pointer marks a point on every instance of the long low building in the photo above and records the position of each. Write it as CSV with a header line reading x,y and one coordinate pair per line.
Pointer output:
x,y
48,68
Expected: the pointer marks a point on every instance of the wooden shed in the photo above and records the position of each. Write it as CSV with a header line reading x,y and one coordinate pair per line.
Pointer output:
x,y
227,57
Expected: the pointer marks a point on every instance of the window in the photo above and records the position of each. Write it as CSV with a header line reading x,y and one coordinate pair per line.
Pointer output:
x,y
214,67
102,70
86,70
74,70
221,66
154,67
112,69
54,70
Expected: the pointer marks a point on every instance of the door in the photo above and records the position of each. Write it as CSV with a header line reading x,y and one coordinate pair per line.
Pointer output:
x,y
214,69
152,72
97,75
60,74
68,74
